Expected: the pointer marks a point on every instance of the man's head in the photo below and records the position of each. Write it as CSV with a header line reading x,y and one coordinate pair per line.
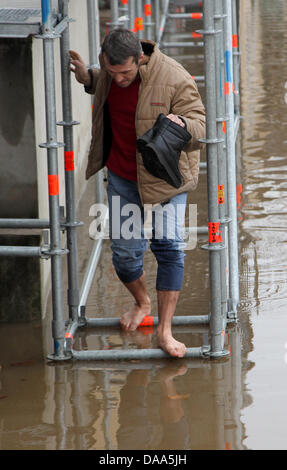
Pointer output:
x,y
122,54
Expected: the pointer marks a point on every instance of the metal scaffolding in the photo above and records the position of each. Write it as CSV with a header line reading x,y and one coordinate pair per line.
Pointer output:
x,y
149,19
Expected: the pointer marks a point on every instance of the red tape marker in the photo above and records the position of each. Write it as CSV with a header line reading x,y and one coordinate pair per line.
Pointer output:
x,y
53,182
235,41
196,16
69,161
147,321
147,10
221,194
138,25
196,35
214,232
69,335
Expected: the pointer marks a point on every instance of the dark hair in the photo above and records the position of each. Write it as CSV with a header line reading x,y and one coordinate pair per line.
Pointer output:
x,y
120,44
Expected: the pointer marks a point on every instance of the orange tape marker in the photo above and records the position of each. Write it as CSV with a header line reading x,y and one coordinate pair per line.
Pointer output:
x,y
147,321
69,335
226,88
221,194
214,232
235,41
69,161
238,194
53,182
196,16
147,10
138,24
196,35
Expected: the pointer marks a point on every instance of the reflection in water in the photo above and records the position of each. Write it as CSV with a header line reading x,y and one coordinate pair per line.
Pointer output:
x,y
263,219
132,405
185,404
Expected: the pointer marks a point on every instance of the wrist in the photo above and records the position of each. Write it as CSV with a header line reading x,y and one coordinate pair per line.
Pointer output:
x,y
89,83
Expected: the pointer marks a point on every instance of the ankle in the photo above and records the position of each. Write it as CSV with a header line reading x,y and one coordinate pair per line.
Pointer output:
x,y
163,331
144,302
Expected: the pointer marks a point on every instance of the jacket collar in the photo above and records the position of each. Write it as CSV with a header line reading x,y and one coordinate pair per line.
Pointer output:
x,y
152,56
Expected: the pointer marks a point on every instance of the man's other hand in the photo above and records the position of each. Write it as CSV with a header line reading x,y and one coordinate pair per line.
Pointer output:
x,y
79,68
175,119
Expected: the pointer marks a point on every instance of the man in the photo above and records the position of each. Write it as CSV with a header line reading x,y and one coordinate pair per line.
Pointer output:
x,y
137,83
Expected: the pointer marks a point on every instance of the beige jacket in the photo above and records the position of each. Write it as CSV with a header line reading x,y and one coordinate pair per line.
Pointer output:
x,y
166,87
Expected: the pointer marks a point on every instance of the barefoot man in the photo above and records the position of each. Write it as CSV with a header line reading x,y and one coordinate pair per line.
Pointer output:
x,y
135,84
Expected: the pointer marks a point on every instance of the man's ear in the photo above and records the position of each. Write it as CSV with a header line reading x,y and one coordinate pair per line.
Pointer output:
x,y
141,59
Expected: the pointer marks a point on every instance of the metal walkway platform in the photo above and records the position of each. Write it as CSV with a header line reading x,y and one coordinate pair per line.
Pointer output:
x,y
19,23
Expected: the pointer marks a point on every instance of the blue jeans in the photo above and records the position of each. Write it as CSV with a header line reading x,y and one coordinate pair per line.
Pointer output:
x,y
127,227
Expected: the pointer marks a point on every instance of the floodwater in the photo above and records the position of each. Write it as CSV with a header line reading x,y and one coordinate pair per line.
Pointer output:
x,y
237,403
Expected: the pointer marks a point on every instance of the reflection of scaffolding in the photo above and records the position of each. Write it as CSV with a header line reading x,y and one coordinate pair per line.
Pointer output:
x,y
209,394
220,43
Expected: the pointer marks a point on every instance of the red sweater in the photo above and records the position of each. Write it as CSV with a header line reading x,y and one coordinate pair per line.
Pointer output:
x,y
122,104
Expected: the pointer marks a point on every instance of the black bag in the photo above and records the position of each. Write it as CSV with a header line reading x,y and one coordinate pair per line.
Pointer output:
x,y
161,147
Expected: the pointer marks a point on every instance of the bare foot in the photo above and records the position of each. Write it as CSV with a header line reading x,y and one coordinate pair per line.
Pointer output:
x,y
130,320
169,344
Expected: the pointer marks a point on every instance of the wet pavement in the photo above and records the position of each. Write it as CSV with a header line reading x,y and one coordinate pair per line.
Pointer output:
x,y
236,403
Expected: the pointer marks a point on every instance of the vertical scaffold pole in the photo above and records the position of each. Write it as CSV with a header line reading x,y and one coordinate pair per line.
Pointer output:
x,y
231,164
67,123
148,13
93,31
220,106
94,49
58,324
157,19
114,13
139,18
131,10
165,7
217,324
236,54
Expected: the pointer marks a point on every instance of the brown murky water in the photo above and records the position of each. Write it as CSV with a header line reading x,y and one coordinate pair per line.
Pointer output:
x,y
238,403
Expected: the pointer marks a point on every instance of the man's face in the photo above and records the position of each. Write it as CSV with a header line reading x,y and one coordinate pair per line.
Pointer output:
x,y
123,74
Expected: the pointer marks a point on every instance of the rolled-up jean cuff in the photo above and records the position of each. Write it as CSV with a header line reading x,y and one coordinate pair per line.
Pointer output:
x,y
174,285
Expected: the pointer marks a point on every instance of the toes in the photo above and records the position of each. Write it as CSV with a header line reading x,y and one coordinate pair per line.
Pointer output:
x,y
173,347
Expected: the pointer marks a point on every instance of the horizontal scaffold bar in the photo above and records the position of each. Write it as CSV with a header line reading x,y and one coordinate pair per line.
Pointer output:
x,y
20,251
151,321
133,354
182,44
24,223
188,16
198,78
